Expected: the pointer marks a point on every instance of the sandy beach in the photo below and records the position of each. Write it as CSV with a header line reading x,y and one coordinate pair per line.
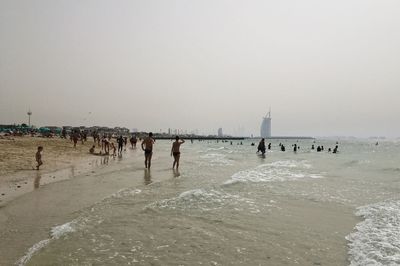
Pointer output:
x,y
17,161
225,206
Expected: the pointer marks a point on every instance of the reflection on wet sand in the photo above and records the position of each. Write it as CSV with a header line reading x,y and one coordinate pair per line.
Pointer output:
x,y
147,177
72,170
36,182
104,160
176,172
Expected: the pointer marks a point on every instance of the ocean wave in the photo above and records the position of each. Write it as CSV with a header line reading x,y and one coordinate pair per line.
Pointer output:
x,y
216,159
376,240
82,221
204,200
126,192
55,233
216,149
275,171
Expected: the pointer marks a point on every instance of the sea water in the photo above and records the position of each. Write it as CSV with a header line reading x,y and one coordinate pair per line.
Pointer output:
x,y
229,206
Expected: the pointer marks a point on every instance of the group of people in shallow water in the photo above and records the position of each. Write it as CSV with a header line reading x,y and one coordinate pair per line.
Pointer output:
x,y
148,142
106,144
262,148
146,145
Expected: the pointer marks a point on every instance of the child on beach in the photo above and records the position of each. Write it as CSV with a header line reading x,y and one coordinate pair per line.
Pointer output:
x,y
39,157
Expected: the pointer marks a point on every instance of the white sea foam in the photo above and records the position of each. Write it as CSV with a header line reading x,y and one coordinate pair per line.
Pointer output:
x,y
376,240
55,233
196,198
215,149
31,251
216,159
275,171
124,193
204,200
58,231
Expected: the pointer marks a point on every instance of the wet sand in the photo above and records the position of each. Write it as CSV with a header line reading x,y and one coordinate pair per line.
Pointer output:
x,y
17,163
26,219
296,231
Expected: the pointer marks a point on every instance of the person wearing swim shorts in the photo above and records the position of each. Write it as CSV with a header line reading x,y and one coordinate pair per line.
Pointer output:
x,y
120,141
147,147
175,151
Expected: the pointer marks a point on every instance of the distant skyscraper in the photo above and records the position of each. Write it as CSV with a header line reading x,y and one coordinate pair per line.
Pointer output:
x,y
265,131
220,134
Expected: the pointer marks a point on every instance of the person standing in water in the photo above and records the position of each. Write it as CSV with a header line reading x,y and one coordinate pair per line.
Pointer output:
x,y
261,146
147,147
120,141
132,140
175,151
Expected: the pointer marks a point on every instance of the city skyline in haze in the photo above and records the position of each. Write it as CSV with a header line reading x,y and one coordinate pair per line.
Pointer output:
x,y
325,68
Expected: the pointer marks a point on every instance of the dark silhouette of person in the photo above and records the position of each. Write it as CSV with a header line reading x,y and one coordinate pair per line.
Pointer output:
x,y
335,150
261,146
120,141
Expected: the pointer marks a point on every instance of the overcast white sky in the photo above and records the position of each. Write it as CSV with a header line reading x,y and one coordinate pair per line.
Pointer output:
x,y
325,67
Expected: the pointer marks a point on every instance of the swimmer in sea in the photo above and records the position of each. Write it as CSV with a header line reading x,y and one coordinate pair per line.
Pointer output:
x,y
147,147
335,150
176,152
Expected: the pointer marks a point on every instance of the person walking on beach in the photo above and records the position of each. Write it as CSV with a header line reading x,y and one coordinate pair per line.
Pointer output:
x,y
175,151
114,149
133,141
147,147
39,157
75,138
125,142
120,141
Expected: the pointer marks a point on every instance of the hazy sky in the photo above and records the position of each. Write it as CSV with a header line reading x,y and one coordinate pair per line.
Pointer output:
x,y
325,67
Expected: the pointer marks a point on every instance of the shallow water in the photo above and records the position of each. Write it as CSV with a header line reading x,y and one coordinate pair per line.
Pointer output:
x,y
229,206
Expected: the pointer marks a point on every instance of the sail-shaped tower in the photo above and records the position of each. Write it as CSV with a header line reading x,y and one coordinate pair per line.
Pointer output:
x,y
265,131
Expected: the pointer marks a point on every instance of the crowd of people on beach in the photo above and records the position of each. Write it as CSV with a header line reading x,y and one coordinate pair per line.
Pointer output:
x,y
106,144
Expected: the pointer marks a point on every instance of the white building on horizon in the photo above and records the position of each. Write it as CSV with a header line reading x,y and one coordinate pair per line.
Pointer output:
x,y
220,134
265,131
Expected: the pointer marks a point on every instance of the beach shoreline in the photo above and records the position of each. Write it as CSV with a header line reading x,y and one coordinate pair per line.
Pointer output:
x,y
18,175
50,196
